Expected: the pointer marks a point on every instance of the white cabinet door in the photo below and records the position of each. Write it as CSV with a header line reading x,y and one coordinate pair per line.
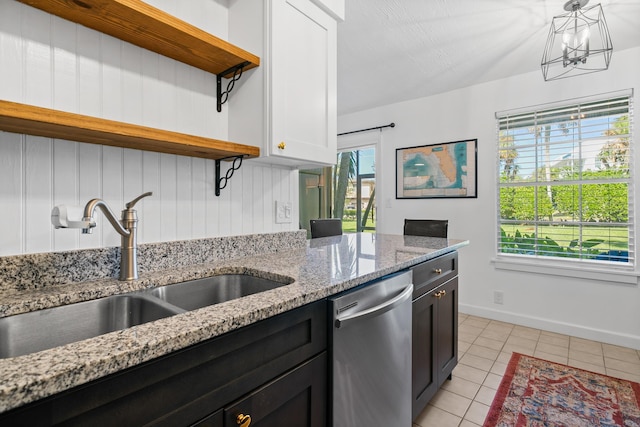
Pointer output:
x,y
290,100
303,85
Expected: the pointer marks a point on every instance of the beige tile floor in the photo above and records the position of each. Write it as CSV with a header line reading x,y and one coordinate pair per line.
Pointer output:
x,y
484,349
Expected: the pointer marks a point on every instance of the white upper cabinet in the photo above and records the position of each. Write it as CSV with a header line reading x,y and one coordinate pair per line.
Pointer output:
x,y
335,8
288,105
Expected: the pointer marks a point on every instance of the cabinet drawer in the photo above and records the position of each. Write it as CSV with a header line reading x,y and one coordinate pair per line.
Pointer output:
x,y
432,273
297,398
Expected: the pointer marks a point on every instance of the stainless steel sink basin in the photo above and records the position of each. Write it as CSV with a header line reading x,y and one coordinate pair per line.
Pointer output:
x,y
39,330
213,290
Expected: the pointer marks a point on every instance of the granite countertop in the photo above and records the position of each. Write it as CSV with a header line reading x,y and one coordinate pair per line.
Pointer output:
x,y
317,268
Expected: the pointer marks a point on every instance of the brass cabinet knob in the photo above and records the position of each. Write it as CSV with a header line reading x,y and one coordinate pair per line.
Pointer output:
x,y
440,294
438,271
243,420
282,145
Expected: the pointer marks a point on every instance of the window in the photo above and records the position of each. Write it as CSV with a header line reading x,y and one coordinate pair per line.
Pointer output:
x,y
565,182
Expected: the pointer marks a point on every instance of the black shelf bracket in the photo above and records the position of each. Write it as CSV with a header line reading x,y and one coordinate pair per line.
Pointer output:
x,y
221,181
236,73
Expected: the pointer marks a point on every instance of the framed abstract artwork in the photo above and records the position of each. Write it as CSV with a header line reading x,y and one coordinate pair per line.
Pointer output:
x,y
446,170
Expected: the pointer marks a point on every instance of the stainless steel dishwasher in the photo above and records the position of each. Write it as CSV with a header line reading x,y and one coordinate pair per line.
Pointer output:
x,y
371,354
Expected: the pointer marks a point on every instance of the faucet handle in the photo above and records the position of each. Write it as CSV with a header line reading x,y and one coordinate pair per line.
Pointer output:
x,y
134,201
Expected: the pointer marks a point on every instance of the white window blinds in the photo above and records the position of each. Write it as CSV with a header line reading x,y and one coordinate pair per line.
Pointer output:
x,y
565,182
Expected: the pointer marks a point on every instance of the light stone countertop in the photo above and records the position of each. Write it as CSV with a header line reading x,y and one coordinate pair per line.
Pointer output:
x,y
318,268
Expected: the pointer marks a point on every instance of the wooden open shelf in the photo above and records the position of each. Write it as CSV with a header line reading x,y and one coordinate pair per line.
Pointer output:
x,y
143,25
28,119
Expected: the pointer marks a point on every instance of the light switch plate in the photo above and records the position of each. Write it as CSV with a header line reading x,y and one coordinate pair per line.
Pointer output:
x,y
283,212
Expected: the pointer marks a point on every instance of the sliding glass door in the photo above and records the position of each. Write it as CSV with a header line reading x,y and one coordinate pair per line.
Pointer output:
x,y
359,198
346,190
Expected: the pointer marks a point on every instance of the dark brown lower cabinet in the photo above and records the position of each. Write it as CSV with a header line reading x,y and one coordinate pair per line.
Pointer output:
x,y
435,327
294,399
274,371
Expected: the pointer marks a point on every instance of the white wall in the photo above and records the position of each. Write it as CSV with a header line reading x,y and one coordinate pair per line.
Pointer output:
x,y
49,62
589,308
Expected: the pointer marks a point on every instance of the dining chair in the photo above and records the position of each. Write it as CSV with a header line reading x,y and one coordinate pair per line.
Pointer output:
x,y
325,227
426,227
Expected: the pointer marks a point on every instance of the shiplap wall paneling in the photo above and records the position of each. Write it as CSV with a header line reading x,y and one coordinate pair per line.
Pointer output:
x,y
198,197
131,57
36,63
184,196
92,97
65,66
213,206
11,53
64,187
150,208
41,173
259,207
50,62
89,178
38,194
111,193
11,193
247,199
223,224
168,198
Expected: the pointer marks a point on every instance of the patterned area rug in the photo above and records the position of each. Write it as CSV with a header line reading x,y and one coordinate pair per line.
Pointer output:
x,y
536,392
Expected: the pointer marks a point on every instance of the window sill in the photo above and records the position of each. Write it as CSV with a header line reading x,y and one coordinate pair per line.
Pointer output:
x,y
581,271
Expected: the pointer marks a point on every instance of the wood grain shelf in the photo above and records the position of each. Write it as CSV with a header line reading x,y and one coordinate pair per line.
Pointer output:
x,y
28,119
148,27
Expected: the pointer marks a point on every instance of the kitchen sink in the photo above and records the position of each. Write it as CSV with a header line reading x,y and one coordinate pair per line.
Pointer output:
x,y
213,290
39,330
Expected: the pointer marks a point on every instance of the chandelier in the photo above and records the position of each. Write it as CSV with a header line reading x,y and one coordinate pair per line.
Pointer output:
x,y
578,42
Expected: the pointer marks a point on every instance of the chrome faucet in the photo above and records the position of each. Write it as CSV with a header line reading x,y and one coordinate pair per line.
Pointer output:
x,y
126,227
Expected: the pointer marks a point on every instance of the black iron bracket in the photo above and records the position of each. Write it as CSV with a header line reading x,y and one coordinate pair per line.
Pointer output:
x,y
236,72
221,181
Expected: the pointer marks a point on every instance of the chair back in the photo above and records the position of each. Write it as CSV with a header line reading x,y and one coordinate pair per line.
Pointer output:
x,y
426,227
325,227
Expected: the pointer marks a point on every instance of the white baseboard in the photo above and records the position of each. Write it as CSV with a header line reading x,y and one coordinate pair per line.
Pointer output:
x,y
608,337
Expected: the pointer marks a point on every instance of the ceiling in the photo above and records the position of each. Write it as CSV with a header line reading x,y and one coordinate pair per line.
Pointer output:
x,y
395,50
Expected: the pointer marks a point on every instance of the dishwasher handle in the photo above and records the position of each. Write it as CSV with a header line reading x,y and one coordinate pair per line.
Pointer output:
x,y
378,309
